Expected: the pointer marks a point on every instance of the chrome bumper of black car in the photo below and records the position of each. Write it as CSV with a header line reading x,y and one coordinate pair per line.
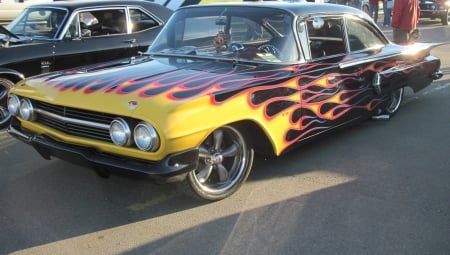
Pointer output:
x,y
173,168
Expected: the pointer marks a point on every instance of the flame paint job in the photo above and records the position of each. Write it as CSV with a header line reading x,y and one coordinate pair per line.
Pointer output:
x,y
291,102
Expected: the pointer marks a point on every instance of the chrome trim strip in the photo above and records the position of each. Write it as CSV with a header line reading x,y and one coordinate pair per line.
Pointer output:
x,y
15,132
365,60
73,121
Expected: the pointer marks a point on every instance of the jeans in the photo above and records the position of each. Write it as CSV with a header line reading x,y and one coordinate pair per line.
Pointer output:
x,y
387,14
373,12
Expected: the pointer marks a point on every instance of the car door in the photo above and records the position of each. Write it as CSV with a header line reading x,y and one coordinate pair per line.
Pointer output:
x,y
28,59
94,36
332,96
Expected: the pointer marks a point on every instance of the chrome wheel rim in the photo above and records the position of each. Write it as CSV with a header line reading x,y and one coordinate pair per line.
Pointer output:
x,y
223,158
394,101
4,113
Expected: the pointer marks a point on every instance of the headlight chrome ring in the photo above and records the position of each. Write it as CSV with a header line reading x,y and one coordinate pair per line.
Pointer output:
x,y
120,132
145,137
13,104
26,110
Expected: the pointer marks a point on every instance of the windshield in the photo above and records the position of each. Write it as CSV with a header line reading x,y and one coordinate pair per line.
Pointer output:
x,y
38,22
243,33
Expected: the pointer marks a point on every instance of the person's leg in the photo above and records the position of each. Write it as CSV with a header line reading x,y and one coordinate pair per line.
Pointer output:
x,y
376,14
371,10
400,36
389,15
385,10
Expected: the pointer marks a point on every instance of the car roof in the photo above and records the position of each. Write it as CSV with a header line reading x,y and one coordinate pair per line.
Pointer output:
x,y
299,9
73,5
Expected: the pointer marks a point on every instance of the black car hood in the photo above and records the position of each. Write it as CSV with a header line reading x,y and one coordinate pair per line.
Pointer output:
x,y
175,78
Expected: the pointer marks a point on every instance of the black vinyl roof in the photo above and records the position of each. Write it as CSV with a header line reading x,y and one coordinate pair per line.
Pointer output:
x,y
79,4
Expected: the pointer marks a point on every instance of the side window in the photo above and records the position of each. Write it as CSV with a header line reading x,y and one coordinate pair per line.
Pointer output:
x,y
73,30
362,36
141,21
102,22
326,36
86,20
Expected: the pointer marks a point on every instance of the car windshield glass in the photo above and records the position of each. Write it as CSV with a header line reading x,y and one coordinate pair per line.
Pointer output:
x,y
38,22
238,33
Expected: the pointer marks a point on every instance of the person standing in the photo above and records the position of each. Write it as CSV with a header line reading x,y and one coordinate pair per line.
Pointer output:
x,y
356,4
387,10
405,17
373,10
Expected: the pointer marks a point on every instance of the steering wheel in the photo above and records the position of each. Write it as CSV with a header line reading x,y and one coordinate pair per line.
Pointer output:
x,y
270,49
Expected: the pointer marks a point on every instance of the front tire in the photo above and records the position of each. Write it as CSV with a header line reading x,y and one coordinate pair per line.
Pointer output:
x,y
5,116
225,161
394,101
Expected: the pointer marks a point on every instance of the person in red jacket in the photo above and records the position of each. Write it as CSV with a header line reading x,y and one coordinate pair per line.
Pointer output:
x,y
405,17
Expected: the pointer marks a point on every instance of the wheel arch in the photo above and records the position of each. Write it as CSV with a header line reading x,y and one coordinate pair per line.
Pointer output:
x,y
11,75
255,136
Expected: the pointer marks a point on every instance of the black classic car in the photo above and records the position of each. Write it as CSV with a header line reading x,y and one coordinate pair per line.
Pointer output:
x,y
219,84
435,9
55,36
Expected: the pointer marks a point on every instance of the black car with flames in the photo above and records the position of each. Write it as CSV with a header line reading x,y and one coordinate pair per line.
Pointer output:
x,y
220,84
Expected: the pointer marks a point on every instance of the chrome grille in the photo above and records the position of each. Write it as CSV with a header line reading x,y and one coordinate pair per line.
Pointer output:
x,y
82,123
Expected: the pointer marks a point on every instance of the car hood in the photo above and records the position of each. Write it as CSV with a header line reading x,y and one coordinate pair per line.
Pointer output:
x,y
120,88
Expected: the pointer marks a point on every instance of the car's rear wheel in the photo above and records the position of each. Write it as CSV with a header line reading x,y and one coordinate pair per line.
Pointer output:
x,y
394,102
225,161
446,18
5,116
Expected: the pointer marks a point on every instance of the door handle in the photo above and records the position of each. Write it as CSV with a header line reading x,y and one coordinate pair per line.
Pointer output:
x,y
132,41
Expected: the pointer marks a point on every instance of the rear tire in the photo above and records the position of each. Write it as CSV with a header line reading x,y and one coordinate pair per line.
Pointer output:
x,y
395,99
5,116
225,161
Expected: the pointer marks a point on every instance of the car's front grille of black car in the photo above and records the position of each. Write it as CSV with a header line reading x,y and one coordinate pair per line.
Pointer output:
x,y
88,124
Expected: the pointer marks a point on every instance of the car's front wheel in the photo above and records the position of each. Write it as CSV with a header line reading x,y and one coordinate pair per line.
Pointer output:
x,y
5,116
394,100
225,161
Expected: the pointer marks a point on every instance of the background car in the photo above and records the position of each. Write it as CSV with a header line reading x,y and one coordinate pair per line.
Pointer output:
x,y
66,34
9,9
364,4
435,9
219,84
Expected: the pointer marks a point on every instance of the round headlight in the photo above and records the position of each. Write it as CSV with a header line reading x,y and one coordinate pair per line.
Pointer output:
x,y
145,137
120,132
13,105
27,110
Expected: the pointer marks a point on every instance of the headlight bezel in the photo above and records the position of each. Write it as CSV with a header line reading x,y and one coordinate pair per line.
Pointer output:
x,y
13,109
26,110
150,141
124,127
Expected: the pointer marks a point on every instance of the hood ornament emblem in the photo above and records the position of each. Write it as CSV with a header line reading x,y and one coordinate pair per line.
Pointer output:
x,y
133,104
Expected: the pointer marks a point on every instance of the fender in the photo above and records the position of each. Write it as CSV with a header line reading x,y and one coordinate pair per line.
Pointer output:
x,y
11,73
